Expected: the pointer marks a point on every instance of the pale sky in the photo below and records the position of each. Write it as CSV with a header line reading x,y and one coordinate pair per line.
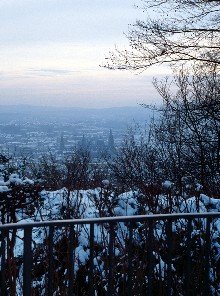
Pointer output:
x,y
50,52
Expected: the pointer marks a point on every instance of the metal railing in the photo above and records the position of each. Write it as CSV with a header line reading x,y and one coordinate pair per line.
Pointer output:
x,y
110,224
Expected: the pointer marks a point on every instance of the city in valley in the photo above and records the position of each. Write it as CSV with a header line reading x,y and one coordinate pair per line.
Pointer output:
x,y
33,131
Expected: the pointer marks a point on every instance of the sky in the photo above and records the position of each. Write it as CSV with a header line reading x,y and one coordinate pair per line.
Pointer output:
x,y
51,52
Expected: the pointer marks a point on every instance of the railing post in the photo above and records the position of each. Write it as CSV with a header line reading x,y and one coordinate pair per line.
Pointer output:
x,y
111,256
71,262
3,247
207,257
130,282
150,258
169,263
91,258
50,270
27,279
188,257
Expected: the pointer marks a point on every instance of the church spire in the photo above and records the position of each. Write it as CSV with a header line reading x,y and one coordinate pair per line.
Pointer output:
x,y
111,142
62,146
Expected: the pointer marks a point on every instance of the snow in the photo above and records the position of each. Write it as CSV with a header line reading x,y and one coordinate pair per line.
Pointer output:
x,y
2,182
167,184
81,254
90,203
14,179
189,205
4,188
28,181
126,204
211,202
198,187
161,268
106,183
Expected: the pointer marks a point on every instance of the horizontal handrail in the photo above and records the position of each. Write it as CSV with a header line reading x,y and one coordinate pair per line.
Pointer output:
x,y
116,219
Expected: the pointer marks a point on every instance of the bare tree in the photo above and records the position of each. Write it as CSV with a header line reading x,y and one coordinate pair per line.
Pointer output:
x,y
187,135
77,170
174,31
135,162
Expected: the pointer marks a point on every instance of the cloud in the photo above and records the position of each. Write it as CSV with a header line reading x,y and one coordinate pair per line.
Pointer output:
x,y
51,72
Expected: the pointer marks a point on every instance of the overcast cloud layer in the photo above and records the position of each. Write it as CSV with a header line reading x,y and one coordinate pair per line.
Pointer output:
x,y
51,50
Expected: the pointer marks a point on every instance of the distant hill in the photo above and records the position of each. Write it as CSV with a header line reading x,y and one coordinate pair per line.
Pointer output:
x,y
112,116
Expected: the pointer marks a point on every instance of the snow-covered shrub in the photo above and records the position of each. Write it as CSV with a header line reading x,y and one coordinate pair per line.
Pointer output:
x,y
106,200
85,204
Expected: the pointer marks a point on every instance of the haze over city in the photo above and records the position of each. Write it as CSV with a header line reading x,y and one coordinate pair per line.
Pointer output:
x,y
51,52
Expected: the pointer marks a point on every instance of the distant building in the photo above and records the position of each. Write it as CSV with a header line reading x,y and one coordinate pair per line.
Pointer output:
x,y
111,143
97,146
62,145
83,144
